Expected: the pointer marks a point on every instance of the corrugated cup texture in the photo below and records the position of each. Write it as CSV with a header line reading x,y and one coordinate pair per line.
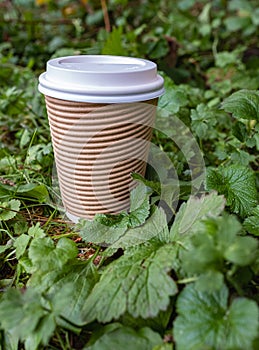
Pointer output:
x,y
97,147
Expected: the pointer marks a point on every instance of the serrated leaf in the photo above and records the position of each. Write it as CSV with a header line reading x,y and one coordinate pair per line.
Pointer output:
x,y
116,336
108,229
237,184
194,210
139,206
8,210
243,104
205,321
133,284
80,275
155,226
100,233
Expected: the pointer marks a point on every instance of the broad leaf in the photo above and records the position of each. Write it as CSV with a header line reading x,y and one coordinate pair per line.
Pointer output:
x,y
116,336
126,230
155,226
77,278
206,321
21,313
216,241
194,210
133,284
45,255
237,184
99,232
243,104
118,229
8,210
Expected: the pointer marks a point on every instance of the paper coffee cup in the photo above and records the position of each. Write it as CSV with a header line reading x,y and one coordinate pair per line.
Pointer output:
x,y
101,110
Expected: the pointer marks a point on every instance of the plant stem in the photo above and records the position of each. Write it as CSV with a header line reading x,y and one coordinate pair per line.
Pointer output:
x,y
106,16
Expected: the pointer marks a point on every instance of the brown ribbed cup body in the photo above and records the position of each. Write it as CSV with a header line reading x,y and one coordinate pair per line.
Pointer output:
x,y
97,147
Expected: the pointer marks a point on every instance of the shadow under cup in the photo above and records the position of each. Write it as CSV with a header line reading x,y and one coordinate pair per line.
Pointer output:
x,y
96,148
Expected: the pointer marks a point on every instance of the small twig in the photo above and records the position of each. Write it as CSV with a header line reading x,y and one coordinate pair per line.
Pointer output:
x,y
106,16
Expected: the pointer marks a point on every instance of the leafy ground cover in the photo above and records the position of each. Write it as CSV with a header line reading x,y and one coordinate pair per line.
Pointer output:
x,y
180,270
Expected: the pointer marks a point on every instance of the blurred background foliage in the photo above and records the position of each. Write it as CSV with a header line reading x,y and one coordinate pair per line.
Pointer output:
x,y
186,38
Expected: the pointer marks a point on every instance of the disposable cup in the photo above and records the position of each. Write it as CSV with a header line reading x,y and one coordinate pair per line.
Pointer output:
x,y
101,111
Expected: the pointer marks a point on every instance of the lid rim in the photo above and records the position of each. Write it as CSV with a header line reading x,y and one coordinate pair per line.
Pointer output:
x,y
137,82
101,98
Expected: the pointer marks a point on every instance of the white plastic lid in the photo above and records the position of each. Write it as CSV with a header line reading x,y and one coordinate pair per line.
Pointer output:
x,y
101,79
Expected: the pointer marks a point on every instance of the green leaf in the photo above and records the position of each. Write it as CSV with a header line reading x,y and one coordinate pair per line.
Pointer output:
x,y
133,284
243,104
11,341
116,336
225,58
210,281
174,98
139,205
243,251
203,118
99,233
114,43
80,275
237,184
36,231
8,210
194,210
155,226
20,313
108,229
251,223
21,244
216,241
44,254
205,321
42,334
35,191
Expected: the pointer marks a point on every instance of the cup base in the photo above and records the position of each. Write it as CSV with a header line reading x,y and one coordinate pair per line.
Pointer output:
x,y
72,217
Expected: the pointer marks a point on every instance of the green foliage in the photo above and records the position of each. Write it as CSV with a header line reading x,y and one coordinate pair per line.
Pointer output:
x,y
237,184
115,335
132,283
179,269
207,321
217,244
8,210
243,104
251,222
